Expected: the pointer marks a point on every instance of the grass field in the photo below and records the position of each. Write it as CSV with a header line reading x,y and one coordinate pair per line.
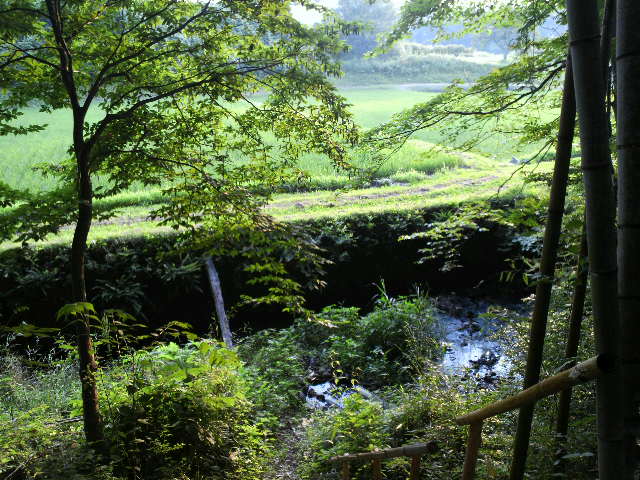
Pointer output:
x,y
420,174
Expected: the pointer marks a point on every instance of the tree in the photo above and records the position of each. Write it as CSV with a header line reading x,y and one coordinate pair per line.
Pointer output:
x,y
532,81
548,260
174,83
376,17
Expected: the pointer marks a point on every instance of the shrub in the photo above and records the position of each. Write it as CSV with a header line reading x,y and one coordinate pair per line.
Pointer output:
x,y
172,412
424,69
276,369
390,345
358,427
183,411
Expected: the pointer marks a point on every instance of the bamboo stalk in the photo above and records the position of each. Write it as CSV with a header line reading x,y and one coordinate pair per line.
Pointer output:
x,y
376,468
415,468
581,373
573,342
628,100
547,269
471,454
584,33
345,471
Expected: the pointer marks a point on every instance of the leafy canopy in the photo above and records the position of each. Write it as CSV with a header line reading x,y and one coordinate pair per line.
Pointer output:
x,y
511,98
213,101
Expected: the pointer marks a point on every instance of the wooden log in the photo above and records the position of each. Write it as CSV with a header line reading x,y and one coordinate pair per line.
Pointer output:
x,y
415,468
471,454
216,289
345,471
376,468
581,373
413,450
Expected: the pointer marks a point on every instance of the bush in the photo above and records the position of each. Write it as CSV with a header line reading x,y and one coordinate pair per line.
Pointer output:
x,y
423,69
172,412
390,345
358,427
364,246
183,411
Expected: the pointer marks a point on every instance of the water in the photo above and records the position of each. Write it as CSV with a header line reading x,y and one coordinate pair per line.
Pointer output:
x,y
471,348
470,345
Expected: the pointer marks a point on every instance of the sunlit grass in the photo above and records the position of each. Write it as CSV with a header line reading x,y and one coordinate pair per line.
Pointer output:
x,y
422,163
481,180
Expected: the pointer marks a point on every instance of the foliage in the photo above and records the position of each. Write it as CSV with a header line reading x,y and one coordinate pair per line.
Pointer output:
x,y
183,410
421,69
402,415
526,86
203,59
392,344
444,236
171,412
172,276
358,427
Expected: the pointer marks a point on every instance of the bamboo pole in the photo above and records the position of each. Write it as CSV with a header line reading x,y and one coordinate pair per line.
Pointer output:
x,y
345,471
547,269
216,289
573,338
628,101
471,454
584,34
406,451
376,468
581,373
415,468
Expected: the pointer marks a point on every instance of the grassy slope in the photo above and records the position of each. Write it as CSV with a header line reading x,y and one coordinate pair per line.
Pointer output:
x,y
430,177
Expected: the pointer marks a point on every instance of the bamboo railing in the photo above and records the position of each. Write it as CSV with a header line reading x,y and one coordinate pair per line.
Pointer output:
x,y
580,373
414,452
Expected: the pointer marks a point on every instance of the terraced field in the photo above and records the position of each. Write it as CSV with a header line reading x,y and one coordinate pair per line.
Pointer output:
x,y
421,174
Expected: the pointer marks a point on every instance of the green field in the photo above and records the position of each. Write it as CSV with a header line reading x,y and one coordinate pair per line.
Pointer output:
x,y
418,175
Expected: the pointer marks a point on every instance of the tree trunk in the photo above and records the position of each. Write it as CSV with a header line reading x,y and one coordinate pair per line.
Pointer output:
x,y
547,270
573,342
93,427
91,413
628,98
216,289
584,33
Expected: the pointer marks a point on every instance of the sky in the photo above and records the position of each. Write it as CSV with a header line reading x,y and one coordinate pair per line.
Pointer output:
x,y
311,17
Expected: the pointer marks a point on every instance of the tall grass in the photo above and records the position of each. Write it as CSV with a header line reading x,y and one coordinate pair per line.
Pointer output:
x,y
19,154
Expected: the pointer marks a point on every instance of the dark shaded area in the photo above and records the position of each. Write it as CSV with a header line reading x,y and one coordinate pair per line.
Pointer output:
x,y
148,278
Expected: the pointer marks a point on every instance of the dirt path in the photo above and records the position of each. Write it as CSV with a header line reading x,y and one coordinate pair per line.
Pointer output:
x,y
285,466
341,200
337,201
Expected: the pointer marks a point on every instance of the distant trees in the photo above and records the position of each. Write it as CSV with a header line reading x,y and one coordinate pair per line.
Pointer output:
x,y
376,17
172,81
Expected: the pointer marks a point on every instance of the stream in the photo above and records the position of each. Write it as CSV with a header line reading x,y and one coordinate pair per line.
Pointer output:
x,y
470,348
470,345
